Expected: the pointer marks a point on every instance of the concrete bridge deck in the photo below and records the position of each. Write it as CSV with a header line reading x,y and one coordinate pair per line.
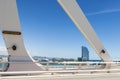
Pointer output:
x,y
98,76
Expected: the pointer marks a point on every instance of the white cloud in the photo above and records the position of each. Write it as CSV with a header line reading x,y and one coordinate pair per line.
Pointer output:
x,y
3,49
103,12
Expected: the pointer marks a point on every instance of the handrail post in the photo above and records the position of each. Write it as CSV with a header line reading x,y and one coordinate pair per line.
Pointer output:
x,y
96,65
79,65
2,66
64,66
47,66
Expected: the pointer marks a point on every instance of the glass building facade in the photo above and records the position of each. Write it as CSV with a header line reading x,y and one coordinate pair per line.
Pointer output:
x,y
85,54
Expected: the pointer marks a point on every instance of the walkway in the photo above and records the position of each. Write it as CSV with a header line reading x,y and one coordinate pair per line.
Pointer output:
x,y
98,76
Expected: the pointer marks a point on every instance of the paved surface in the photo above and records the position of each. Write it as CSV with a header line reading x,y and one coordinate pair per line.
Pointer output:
x,y
106,76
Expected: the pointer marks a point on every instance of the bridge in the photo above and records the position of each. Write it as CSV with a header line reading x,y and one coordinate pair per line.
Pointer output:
x,y
111,76
21,65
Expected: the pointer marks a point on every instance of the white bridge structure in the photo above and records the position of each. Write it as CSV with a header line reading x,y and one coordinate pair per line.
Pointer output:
x,y
11,31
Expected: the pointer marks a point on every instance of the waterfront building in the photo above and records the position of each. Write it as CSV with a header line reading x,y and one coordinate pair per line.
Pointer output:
x,y
85,54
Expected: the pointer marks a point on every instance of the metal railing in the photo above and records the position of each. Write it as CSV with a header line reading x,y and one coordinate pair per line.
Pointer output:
x,y
65,67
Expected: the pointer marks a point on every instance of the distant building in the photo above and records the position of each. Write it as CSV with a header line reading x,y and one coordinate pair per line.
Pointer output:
x,y
85,54
3,58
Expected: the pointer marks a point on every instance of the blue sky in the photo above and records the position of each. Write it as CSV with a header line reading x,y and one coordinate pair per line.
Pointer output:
x,y
48,31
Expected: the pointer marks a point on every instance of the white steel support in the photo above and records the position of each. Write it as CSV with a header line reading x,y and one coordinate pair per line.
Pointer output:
x,y
74,11
11,31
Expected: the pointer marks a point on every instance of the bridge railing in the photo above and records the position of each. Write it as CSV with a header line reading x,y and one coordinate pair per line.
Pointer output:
x,y
66,68
51,66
